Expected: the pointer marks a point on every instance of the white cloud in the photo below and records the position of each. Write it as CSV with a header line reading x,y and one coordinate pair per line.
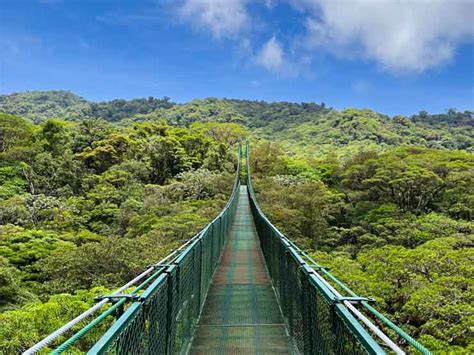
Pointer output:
x,y
271,55
224,18
401,35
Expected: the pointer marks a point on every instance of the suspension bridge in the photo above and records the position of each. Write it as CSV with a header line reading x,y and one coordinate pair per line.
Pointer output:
x,y
238,287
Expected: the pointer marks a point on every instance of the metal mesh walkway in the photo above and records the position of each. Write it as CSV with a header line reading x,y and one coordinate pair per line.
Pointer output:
x,y
241,314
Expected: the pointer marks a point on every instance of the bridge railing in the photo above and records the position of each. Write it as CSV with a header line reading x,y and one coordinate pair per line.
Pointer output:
x,y
319,319
159,315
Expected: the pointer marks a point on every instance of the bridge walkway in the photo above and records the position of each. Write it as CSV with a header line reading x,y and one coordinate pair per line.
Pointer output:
x,y
241,314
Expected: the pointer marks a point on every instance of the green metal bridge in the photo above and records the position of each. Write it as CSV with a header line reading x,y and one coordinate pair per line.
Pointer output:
x,y
238,287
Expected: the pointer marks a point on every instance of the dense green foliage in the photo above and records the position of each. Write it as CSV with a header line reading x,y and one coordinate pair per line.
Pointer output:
x,y
90,204
394,225
91,193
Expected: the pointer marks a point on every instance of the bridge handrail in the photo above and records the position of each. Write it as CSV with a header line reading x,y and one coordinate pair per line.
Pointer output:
x,y
316,269
156,271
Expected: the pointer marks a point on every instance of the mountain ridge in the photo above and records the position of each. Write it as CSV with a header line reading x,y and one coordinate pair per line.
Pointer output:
x,y
297,124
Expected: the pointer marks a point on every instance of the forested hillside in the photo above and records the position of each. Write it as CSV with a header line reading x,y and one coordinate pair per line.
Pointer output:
x,y
91,193
304,127
39,106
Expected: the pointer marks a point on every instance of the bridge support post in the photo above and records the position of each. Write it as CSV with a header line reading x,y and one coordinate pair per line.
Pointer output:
x,y
170,309
308,312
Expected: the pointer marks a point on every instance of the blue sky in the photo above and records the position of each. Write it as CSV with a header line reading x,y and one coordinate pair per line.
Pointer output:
x,y
397,57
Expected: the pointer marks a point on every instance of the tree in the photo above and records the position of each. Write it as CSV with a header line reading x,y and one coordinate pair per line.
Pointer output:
x,y
227,133
14,132
87,132
11,292
22,247
55,135
106,152
167,158
12,184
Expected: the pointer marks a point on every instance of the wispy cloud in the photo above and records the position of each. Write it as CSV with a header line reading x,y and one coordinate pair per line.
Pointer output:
x,y
223,18
271,55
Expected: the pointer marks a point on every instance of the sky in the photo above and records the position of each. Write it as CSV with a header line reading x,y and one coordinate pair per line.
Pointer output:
x,y
393,56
